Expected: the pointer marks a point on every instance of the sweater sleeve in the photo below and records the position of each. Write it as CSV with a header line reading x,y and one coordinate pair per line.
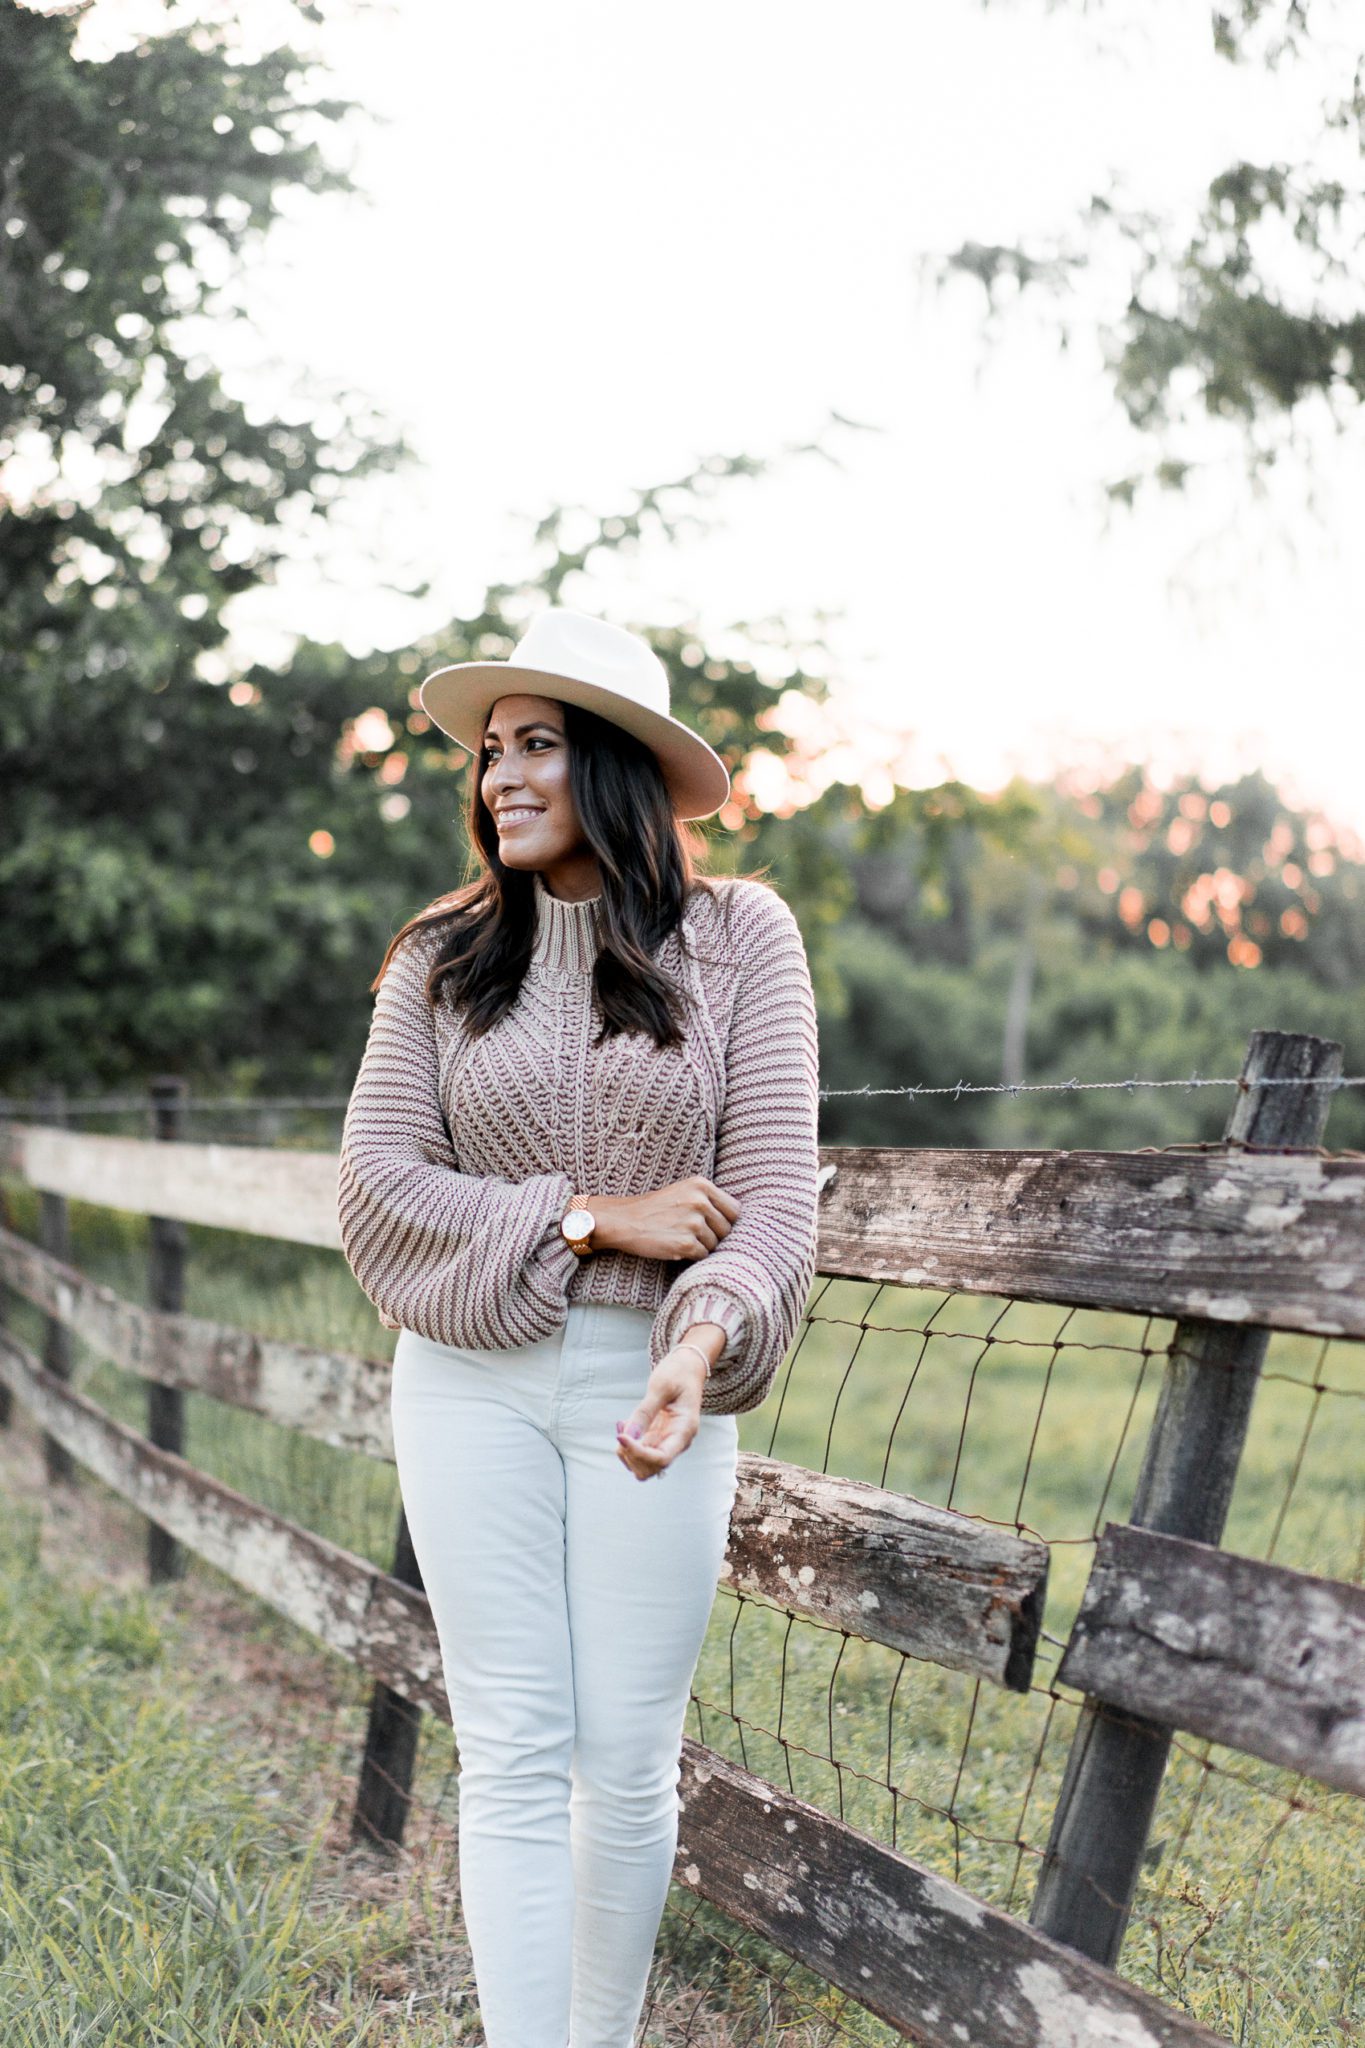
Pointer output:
x,y
756,1282
462,1259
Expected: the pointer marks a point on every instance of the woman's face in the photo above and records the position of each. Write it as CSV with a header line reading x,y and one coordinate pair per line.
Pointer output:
x,y
526,786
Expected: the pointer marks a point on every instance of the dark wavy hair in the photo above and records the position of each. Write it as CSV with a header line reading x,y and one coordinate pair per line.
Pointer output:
x,y
649,863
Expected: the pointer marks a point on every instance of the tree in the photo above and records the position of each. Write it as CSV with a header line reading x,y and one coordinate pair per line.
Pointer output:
x,y
139,489
205,877
140,495
1114,930
1250,317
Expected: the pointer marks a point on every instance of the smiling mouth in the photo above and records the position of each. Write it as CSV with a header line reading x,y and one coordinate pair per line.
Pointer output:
x,y
521,816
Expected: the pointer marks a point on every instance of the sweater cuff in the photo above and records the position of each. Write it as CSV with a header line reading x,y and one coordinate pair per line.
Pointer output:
x,y
553,1260
705,1305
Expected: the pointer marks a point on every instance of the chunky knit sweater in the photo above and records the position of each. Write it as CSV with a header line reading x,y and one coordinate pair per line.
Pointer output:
x,y
461,1152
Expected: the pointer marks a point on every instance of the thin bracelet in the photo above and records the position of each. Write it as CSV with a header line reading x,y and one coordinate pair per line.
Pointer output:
x,y
700,1353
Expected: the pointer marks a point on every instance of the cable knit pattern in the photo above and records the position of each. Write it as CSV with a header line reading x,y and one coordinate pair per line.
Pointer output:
x,y
459,1154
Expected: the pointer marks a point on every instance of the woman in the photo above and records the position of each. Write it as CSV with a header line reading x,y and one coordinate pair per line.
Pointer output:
x,y
578,1176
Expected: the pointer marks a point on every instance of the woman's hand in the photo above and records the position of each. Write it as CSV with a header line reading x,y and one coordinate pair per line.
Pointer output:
x,y
666,1415
685,1220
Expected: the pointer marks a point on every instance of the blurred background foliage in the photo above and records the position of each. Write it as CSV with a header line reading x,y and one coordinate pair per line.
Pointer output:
x,y
1232,331
202,864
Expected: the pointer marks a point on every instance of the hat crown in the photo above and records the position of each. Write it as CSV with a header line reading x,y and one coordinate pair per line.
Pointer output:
x,y
569,643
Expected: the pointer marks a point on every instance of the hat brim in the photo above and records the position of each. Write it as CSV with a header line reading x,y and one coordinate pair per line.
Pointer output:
x,y
459,699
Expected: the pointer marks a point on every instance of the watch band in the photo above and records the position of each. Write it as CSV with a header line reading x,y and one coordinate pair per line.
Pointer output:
x,y
582,1246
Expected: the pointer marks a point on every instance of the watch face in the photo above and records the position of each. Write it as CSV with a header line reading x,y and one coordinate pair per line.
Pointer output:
x,y
577,1223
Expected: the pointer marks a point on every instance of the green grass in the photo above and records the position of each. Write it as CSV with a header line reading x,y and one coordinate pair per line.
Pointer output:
x,y
1248,1913
155,1885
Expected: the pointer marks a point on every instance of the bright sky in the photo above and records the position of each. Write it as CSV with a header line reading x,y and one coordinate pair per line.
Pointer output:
x,y
603,241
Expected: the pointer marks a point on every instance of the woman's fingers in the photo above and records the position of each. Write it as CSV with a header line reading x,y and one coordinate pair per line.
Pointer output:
x,y
646,1459
662,1423
648,1451
641,1468
646,1456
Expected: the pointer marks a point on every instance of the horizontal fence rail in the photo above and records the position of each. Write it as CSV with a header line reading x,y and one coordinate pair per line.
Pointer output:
x,y
335,1397
1236,1237
938,1585
256,1188
897,1937
1270,1238
1268,1660
351,1606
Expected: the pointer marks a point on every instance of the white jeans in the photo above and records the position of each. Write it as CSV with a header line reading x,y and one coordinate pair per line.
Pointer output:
x,y
571,1601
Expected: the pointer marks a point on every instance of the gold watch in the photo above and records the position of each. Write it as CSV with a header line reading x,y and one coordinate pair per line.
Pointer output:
x,y
578,1224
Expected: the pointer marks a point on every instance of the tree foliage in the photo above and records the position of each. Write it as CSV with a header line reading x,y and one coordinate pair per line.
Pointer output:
x,y
1248,315
140,490
1162,926
140,494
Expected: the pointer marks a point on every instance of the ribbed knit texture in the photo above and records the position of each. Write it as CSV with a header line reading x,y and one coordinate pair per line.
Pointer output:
x,y
459,1154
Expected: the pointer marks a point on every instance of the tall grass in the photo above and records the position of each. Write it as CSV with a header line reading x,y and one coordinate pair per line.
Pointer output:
x,y
156,1890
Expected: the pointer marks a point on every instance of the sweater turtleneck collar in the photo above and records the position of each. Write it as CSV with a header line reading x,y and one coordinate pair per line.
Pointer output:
x,y
566,934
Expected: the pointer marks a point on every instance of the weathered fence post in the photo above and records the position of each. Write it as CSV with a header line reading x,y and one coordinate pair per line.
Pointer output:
x,y
1117,1761
383,1793
166,1244
54,1235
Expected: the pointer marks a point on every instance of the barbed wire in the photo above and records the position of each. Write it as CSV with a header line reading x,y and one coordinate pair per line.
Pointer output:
x,y
1074,1086
90,1105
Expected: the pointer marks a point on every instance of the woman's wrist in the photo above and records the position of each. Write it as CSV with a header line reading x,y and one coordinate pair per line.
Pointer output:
x,y
607,1213
708,1338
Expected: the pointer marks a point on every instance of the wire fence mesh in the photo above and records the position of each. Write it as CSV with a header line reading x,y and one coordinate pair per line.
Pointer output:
x,y
1022,1414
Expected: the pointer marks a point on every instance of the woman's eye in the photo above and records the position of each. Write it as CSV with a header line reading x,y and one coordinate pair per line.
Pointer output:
x,y
490,754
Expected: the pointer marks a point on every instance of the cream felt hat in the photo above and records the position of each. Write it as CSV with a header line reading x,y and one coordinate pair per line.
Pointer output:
x,y
582,660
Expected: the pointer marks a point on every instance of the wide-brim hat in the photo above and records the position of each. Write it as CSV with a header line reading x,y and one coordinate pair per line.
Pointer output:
x,y
582,660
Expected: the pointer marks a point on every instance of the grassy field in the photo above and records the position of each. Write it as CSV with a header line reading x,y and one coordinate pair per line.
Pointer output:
x,y
162,1880
1249,1912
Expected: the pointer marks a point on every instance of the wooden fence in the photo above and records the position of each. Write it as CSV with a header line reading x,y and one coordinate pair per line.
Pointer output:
x,y
1262,1233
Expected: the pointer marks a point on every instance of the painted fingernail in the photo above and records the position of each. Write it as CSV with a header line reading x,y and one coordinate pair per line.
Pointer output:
x,y
620,1429
635,1429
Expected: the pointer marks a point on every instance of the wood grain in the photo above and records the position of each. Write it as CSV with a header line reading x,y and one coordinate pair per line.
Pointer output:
x,y
263,1189
1274,1238
1268,1660
936,1584
926,1956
